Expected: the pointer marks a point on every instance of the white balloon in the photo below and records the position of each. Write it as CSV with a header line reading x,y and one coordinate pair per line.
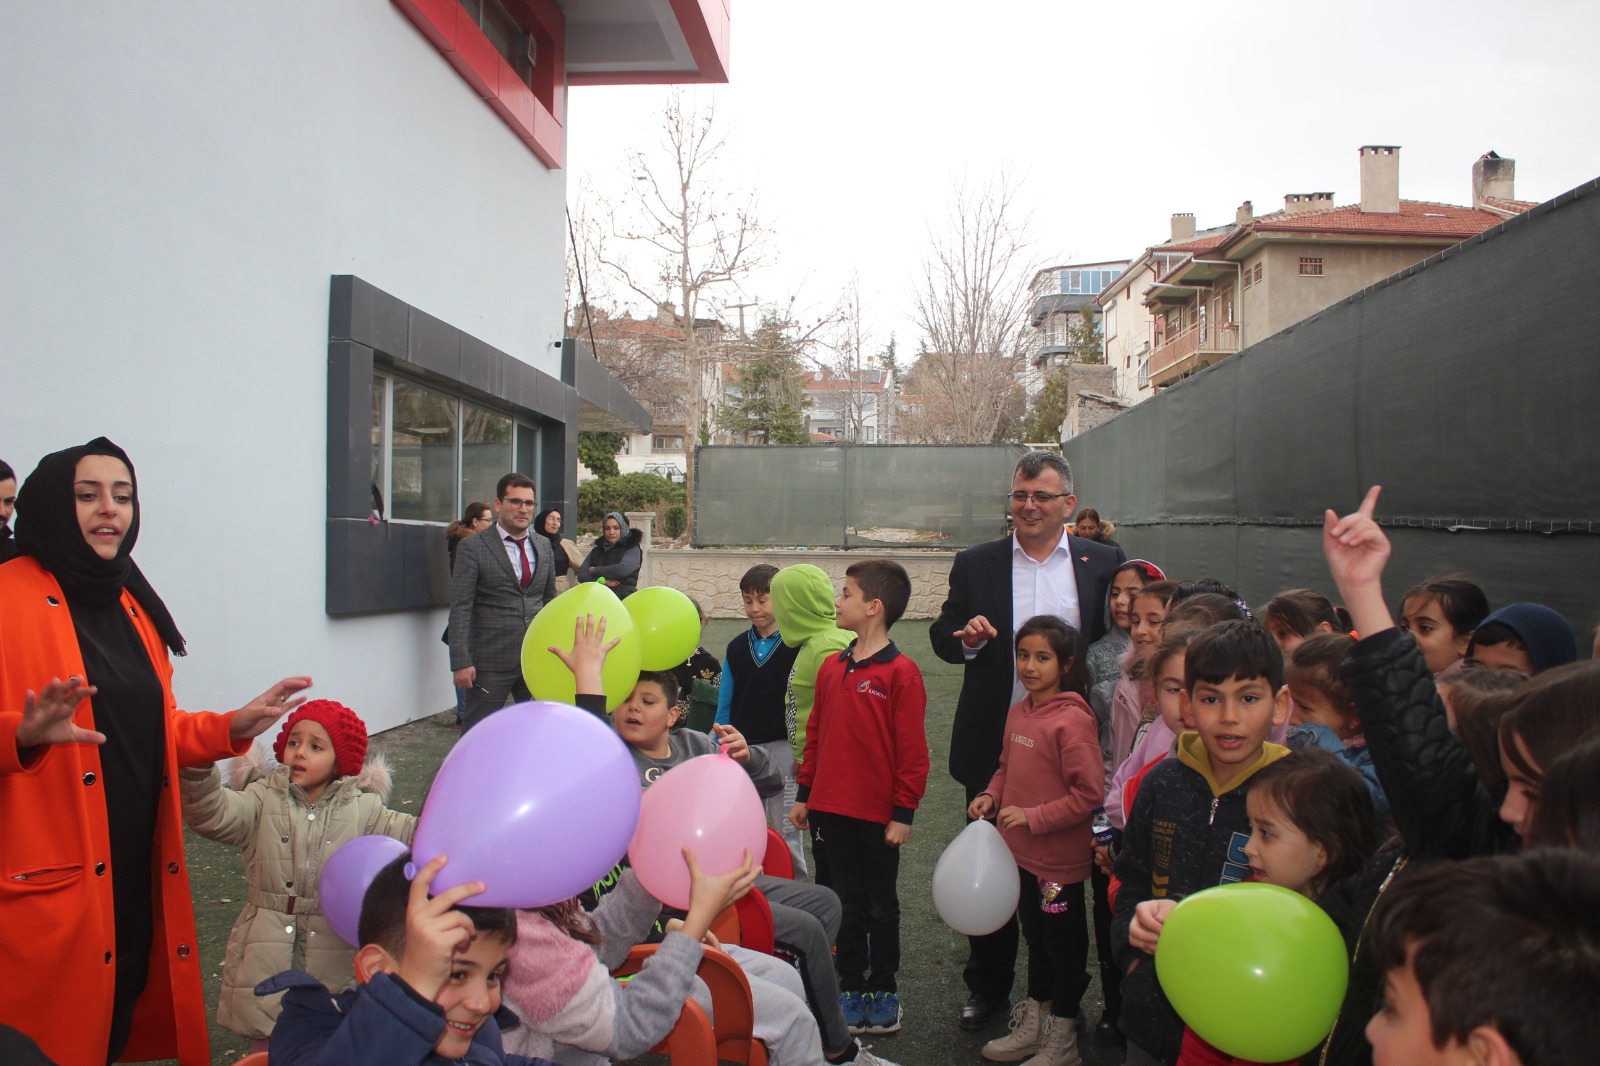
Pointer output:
x,y
975,881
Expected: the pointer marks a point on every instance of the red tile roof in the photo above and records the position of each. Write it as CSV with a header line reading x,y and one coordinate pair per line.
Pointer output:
x,y
1516,207
1415,218
1198,244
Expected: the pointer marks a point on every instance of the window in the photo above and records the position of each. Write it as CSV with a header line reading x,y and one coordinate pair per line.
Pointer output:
x,y
871,433
422,453
1144,373
1109,321
1310,268
669,444
485,452
433,453
1258,273
1247,274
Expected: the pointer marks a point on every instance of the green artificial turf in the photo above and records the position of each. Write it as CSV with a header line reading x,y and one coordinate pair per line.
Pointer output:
x,y
931,991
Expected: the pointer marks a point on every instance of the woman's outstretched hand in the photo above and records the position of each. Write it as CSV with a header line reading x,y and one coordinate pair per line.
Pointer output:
x,y
47,715
255,717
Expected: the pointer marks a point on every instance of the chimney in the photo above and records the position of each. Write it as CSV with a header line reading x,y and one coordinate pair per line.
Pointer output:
x,y
1182,227
1298,203
1380,179
1493,176
1245,215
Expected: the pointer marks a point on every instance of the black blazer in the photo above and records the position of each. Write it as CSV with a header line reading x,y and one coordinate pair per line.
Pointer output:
x,y
980,583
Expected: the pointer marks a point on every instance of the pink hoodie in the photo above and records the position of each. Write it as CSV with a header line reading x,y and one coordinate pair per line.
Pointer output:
x,y
1050,766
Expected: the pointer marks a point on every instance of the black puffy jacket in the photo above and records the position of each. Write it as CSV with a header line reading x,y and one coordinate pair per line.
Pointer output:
x,y
1438,802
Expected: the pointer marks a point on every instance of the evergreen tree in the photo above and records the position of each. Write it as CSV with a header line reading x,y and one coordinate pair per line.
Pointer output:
x,y
598,452
767,403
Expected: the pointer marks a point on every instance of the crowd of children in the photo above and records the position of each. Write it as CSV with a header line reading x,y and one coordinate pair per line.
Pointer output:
x,y
1430,782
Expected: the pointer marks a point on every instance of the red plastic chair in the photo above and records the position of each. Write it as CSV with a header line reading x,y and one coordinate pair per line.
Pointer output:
x,y
779,860
731,1038
756,930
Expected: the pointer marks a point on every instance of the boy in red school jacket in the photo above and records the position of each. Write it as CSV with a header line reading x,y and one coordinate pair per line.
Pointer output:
x,y
864,771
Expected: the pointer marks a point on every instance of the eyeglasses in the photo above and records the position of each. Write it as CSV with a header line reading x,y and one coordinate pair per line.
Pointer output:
x,y
521,505
1036,497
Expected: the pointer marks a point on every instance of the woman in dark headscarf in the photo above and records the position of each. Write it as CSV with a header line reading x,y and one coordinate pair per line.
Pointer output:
x,y
563,551
95,892
616,556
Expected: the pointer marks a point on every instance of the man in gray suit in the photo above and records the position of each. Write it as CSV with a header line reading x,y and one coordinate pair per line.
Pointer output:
x,y
501,579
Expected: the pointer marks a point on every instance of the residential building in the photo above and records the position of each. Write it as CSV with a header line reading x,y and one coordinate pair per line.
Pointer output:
x,y
310,256
855,407
1199,298
1059,293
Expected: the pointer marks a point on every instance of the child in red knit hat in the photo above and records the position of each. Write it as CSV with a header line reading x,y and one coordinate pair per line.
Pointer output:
x,y
287,821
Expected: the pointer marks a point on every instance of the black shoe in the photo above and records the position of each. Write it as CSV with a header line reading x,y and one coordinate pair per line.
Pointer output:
x,y
980,1010
1107,1033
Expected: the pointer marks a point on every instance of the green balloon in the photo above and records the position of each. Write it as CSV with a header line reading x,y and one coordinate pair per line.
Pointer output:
x,y
1257,971
555,625
668,625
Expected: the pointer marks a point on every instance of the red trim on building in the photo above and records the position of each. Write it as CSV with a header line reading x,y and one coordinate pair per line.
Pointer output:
x,y
535,115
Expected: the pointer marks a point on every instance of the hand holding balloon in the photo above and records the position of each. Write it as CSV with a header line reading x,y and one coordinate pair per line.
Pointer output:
x,y
975,882
1258,944
710,896
435,931
1148,918
734,746
981,807
587,659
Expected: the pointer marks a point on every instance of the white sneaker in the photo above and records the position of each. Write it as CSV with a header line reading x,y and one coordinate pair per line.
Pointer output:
x,y
1027,1028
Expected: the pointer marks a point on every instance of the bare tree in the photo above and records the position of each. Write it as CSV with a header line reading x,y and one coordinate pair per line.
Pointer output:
x,y
685,237
971,306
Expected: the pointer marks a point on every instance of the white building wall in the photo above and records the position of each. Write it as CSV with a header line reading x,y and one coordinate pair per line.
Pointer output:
x,y
181,181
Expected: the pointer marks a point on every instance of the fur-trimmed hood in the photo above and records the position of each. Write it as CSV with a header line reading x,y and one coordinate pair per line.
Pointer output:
x,y
258,764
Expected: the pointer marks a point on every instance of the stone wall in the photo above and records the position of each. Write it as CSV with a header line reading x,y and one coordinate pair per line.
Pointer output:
x,y
711,575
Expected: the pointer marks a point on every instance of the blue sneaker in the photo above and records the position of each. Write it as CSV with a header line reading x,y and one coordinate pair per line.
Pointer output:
x,y
883,1013
854,1007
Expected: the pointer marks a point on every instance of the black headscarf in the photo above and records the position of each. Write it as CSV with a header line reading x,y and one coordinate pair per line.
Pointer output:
x,y
557,553
48,530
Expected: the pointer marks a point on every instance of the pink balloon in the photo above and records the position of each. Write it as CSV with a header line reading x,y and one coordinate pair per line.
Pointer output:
x,y
537,801
709,804
345,877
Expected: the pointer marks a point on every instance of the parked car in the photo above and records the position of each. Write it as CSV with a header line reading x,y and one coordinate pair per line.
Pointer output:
x,y
671,471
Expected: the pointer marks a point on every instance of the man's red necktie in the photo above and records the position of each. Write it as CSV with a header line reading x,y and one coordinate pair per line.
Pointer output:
x,y
527,571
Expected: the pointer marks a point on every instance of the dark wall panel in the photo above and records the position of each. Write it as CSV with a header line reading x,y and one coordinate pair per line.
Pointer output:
x,y
1467,385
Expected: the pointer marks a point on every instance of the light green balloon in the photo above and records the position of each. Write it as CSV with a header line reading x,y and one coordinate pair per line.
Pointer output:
x,y
1257,971
668,626
548,677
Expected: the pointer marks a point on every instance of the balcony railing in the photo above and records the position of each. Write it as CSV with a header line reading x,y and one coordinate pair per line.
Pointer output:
x,y
1183,350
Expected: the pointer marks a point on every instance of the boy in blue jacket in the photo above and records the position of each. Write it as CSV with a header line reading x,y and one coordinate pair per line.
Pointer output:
x,y
430,991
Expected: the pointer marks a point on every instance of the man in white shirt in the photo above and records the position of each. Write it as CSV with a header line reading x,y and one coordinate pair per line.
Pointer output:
x,y
502,577
1046,571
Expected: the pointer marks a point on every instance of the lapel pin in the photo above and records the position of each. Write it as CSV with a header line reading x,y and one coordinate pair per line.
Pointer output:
x,y
1083,558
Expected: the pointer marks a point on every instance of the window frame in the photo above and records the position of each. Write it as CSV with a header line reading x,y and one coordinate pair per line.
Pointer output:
x,y
383,566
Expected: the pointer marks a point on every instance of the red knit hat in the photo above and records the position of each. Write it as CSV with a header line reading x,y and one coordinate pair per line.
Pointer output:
x,y
347,731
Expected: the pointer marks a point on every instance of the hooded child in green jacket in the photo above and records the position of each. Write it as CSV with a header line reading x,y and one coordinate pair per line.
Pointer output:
x,y
802,602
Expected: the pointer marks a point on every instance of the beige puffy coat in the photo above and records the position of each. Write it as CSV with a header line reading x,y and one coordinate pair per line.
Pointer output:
x,y
285,842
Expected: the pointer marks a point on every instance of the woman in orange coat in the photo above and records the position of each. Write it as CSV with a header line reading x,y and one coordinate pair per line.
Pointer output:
x,y
97,935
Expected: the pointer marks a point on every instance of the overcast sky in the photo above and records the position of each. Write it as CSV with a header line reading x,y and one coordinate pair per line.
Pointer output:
x,y
853,119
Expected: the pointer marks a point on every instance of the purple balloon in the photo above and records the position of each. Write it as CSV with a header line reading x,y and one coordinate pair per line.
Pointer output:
x,y
538,801
345,879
